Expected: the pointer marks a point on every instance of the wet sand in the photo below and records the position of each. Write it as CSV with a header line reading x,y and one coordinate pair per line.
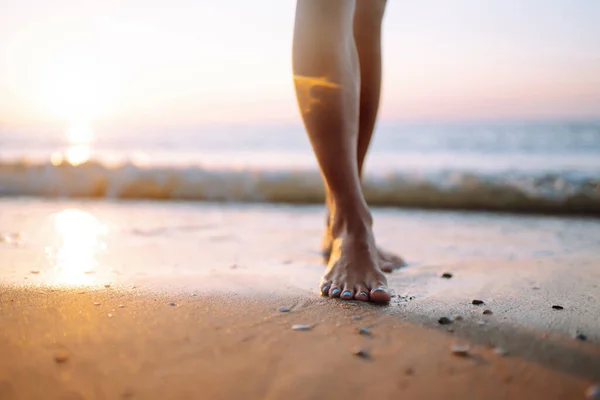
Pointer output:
x,y
228,268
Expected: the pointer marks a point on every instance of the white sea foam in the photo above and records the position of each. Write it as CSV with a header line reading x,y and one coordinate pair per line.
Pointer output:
x,y
567,192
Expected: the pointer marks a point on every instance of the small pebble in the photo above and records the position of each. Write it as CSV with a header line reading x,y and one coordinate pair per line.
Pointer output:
x,y
558,307
172,304
360,352
301,327
447,275
487,312
110,315
96,303
356,317
444,321
458,318
536,288
121,306
35,272
500,351
580,336
593,392
480,323
450,330
194,294
61,357
361,330
461,350
477,302
107,285
284,309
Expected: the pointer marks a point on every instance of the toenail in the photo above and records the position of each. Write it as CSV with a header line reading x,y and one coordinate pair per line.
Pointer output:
x,y
324,289
335,291
347,293
379,289
363,294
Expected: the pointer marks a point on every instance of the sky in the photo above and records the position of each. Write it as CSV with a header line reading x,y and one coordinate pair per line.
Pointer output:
x,y
186,63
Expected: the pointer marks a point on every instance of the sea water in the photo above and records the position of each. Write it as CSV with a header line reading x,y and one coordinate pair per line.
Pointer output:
x,y
543,166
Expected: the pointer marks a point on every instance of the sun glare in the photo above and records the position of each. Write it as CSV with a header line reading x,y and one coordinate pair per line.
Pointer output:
x,y
79,139
76,87
74,257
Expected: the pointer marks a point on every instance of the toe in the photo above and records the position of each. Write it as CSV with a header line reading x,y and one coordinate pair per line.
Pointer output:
x,y
389,262
361,293
386,266
325,286
334,291
347,294
380,295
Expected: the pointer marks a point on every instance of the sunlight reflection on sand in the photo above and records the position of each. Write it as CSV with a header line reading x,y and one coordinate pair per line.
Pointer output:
x,y
73,256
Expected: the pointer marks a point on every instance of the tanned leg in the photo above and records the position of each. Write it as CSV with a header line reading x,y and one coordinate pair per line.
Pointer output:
x,y
327,81
368,17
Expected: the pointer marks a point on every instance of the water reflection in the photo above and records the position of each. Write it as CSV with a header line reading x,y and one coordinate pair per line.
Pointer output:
x,y
74,256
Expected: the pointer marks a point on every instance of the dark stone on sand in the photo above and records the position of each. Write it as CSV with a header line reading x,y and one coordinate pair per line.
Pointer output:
x,y
458,318
558,307
284,309
361,330
477,302
360,352
447,275
580,336
172,304
444,321
487,312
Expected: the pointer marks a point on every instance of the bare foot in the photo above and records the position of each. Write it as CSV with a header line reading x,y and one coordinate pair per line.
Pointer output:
x,y
353,272
388,262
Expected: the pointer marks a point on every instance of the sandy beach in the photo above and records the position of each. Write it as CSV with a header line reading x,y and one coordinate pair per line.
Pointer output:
x,y
151,300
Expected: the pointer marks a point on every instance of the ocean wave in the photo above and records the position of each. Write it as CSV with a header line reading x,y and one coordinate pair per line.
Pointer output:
x,y
561,193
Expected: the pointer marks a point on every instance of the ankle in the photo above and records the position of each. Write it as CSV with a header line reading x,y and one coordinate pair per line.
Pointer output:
x,y
353,219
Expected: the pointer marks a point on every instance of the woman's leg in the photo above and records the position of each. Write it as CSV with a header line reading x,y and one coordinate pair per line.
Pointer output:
x,y
368,17
327,81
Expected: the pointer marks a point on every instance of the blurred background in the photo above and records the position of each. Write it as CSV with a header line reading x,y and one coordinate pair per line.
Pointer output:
x,y
486,104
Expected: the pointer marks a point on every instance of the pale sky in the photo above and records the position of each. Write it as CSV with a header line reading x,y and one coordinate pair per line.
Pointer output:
x,y
186,63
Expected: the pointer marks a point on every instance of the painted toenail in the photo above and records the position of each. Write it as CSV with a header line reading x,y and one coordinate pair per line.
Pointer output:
x,y
379,289
335,291
324,289
347,293
363,294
